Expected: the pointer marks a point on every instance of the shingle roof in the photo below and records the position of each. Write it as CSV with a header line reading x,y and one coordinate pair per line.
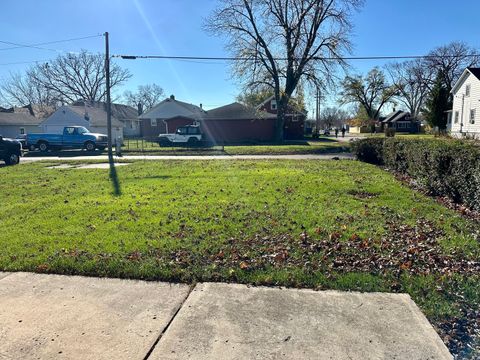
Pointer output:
x,y
170,108
396,116
236,111
475,72
119,111
7,118
97,116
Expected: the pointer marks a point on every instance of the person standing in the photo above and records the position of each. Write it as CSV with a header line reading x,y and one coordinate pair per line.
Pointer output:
x,y
343,131
336,132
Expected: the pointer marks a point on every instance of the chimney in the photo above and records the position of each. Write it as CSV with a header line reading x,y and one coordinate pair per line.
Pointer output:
x,y
394,109
140,108
172,97
201,106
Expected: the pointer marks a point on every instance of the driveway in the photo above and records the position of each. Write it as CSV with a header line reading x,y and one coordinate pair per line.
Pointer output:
x,y
65,317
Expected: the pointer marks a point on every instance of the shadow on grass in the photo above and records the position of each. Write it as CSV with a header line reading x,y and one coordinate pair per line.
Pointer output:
x,y
117,191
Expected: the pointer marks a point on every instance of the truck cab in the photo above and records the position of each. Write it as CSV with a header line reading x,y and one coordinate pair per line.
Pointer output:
x,y
10,151
190,135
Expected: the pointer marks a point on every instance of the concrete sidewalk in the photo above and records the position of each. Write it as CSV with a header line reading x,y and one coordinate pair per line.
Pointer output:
x,y
342,156
63,317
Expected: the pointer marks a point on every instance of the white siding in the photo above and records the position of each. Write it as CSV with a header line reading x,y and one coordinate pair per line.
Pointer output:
x,y
463,107
12,131
55,123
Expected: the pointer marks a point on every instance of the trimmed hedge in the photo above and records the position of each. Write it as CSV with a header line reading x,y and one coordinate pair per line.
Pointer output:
x,y
443,167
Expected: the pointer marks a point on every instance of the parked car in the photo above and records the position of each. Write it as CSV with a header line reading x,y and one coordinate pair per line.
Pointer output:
x,y
190,135
326,132
10,151
73,137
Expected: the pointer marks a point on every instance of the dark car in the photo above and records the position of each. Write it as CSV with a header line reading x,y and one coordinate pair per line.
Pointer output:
x,y
10,151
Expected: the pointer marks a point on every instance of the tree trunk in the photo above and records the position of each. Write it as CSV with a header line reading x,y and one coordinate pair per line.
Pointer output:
x,y
280,122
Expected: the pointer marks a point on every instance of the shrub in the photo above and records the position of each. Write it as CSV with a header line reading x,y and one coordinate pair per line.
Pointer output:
x,y
443,167
390,132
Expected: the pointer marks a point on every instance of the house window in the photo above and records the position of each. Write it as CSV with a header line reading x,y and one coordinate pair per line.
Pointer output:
x,y
472,116
153,122
467,90
273,104
22,131
457,116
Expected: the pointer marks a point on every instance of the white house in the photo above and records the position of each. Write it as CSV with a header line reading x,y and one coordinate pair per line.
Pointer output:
x,y
464,120
93,118
13,124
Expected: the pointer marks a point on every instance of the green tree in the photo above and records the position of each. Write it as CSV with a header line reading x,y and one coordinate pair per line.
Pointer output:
x,y
371,92
438,103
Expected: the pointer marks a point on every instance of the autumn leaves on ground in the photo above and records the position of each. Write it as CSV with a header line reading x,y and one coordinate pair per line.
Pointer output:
x,y
318,224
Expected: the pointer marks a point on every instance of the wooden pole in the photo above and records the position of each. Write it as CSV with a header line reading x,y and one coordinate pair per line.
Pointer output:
x,y
109,104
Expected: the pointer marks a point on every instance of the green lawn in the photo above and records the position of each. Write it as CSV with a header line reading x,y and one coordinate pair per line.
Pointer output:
x,y
319,224
322,146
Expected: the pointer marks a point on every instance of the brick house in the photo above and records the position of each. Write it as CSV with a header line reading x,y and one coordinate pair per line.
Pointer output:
x,y
294,128
233,123
167,116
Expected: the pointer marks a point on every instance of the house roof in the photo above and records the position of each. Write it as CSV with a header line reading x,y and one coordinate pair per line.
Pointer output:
x,y
470,70
18,119
119,111
395,116
475,72
170,108
97,117
236,111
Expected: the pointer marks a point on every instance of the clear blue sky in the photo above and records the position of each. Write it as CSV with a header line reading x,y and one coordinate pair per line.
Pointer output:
x,y
174,27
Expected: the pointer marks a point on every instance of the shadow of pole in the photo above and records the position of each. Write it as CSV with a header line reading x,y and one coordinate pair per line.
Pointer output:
x,y
117,191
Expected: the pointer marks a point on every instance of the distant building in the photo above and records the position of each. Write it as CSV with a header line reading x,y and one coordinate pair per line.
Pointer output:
x,y
127,115
13,124
464,119
167,116
294,127
401,121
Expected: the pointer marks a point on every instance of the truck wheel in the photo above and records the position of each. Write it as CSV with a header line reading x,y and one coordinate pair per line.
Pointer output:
x,y
90,146
101,148
12,159
193,141
43,146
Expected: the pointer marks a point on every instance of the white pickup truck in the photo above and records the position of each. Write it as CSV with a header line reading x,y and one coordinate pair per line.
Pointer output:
x,y
189,135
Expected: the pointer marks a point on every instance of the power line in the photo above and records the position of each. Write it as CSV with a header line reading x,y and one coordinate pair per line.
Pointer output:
x,y
25,62
317,58
37,46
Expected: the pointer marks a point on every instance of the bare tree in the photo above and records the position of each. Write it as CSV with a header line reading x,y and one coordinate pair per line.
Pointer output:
x,y
20,90
148,95
371,92
71,77
280,43
333,117
412,81
451,60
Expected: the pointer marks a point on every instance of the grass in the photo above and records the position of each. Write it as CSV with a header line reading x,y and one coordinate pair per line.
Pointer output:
x,y
263,222
323,146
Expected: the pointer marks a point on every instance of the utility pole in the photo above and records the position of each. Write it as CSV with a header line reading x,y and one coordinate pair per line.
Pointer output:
x,y
109,105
